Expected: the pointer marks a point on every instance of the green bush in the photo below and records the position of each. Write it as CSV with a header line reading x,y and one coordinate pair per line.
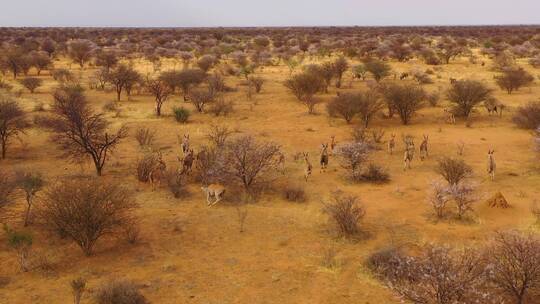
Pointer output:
x,y
181,114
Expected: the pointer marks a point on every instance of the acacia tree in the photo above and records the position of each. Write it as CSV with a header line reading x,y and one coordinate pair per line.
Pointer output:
x,y
370,104
12,122
188,78
378,69
200,98
340,66
106,59
405,99
344,105
40,61
304,86
30,183
513,79
48,46
466,94
86,210
123,77
80,51
15,61
31,83
161,92
249,162
79,131
348,105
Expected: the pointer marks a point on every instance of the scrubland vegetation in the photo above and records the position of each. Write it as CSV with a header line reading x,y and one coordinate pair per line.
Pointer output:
x,y
294,165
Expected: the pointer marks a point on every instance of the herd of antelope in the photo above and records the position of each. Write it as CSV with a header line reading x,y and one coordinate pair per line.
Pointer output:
x,y
216,190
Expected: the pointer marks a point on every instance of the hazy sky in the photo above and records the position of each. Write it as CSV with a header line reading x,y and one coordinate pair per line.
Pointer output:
x,y
187,13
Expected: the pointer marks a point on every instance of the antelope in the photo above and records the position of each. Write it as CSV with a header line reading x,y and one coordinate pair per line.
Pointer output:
x,y
409,153
324,157
281,163
309,168
157,172
187,162
333,143
215,190
403,76
491,165
392,143
450,117
453,80
424,148
185,144
494,106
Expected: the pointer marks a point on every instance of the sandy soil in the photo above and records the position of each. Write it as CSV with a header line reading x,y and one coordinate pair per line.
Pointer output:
x,y
190,253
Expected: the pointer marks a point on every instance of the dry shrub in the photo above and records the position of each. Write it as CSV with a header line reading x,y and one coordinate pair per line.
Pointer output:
x,y
433,98
6,189
85,210
119,292
145,137
221,107
251,163
294,193
438,198
111,106
453,170
257,83
346,212
528,116
436,274
375,174
383,263
145,165
377,135
200,98
515,266
218,134
464,196
210,166
132,232
352,157
176,183
359,134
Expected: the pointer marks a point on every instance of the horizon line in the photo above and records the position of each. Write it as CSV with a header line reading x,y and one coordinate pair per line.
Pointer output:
x,y
269,26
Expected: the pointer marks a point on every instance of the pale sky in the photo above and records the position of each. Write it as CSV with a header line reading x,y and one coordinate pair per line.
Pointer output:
x,y
209,13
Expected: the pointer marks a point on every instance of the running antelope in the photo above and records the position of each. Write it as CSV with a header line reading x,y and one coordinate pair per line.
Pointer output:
x,y
424,148
491,165
408,154
185,144
324,157
333,144
157,173
215,190
309,168
187,162
450,117
392,143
